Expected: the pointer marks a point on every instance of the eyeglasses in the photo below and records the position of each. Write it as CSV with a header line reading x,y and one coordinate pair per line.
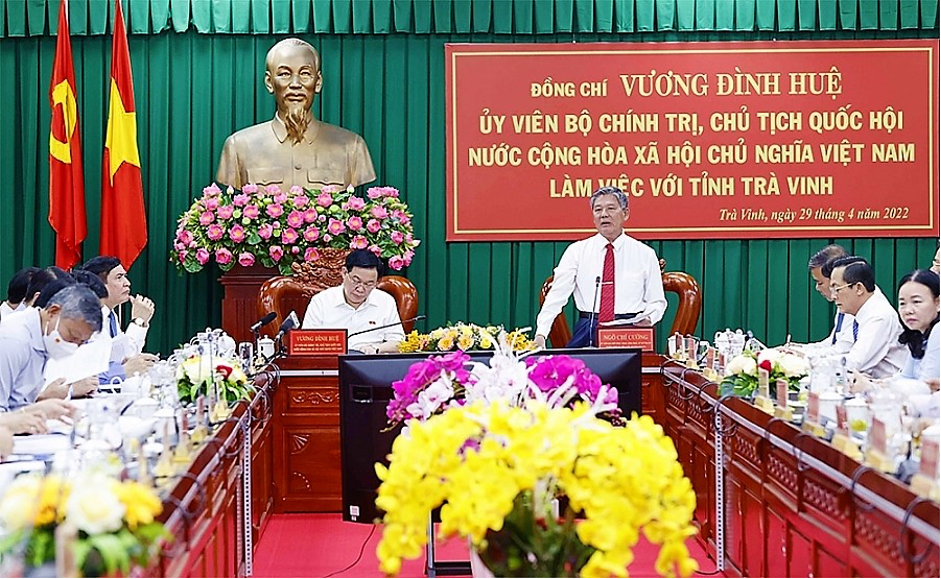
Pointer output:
x,y
357,282
834,289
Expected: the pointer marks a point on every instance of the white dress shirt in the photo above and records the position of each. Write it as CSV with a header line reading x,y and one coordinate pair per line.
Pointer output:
x,y
638,287
6,310
22,358
877,350
838,342
123,344
329,309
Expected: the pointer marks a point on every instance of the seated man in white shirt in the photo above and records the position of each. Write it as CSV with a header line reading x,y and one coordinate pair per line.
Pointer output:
x,y
876,328
30,339
612,275
840,339
127,347
16,292
357,306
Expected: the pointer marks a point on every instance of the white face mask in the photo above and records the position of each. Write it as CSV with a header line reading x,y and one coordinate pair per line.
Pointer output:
x,y
56,346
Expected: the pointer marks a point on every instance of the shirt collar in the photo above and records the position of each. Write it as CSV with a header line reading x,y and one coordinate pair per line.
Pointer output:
x,y
370,300
871,305
33,324
281,132
618,242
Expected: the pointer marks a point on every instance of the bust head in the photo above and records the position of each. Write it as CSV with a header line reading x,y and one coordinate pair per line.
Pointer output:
x,y
293,76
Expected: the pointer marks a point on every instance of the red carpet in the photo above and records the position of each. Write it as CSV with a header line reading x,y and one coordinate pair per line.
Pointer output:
x,y
316,545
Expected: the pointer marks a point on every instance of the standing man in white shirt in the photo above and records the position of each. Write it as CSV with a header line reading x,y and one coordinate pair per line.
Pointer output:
x,y
612,275
357,305
16,292
876,327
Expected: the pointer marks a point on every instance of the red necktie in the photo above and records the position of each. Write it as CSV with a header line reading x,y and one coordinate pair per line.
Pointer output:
x,y
606,309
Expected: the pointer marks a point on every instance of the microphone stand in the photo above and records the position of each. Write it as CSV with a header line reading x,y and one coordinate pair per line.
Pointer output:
x,y
591,315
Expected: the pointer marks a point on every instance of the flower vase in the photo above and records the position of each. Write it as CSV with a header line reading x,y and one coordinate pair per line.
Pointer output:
x,y
478,568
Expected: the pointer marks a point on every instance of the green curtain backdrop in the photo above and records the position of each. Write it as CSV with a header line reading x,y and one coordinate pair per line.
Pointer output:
x,y
197,72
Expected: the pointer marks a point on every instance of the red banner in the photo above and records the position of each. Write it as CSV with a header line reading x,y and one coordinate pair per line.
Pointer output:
x,y
709,140
123,217
66,183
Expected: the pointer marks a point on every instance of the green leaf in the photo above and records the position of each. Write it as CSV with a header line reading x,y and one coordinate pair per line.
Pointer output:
x,y
112,551
10,541
254,238
192,266
82,549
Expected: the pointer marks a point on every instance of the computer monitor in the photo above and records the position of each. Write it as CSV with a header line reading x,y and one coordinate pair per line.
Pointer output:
x,y
365,391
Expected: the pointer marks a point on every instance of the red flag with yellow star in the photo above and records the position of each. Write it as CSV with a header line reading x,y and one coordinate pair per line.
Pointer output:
x,y
66,184
123,221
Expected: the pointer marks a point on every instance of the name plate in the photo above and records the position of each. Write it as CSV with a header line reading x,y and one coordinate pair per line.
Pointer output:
x,y
626,338
929,459
813,407
316,342
877,436
781,391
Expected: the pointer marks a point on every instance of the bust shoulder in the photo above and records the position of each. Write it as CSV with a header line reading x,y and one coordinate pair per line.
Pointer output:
x,y
252,133
338,135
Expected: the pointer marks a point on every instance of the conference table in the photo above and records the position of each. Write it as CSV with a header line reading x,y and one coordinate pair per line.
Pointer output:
x,y
789,504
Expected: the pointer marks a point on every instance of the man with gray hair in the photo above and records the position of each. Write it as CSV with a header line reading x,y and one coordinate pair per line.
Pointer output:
x,y
612,275
294,148
35,336
841,338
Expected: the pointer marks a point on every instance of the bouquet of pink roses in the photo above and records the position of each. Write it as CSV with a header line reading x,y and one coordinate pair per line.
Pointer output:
x,y
277,228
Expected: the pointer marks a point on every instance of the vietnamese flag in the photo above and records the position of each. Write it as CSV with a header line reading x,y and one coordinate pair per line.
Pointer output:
x,y
66,183
123,222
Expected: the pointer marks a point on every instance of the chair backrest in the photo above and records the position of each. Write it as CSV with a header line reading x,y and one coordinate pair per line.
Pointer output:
x,y
282,294
678,282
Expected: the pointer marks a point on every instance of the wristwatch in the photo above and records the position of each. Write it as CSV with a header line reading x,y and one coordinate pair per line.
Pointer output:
x,y
139,322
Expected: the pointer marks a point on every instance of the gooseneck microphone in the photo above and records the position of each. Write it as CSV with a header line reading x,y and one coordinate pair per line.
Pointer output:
x,y
263,321
591,316
291,322
392,325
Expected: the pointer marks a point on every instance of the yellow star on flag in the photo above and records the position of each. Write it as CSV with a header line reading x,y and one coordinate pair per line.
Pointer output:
x,y
122,134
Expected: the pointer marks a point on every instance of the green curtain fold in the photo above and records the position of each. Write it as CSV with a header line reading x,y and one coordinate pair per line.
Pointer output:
x,y
194,88
38,17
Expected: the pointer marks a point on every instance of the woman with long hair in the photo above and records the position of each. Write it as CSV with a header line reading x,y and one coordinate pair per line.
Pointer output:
x,y
919,306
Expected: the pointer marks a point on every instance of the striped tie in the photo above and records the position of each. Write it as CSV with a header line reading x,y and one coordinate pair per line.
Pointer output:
x,y
855,330
606,309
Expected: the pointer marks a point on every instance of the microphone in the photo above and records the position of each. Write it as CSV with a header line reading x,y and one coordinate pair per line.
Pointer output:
x,y
264,321
291,322
392,325
591,316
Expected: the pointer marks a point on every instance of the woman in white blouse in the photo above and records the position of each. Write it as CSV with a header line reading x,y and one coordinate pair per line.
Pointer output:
x,y
919,307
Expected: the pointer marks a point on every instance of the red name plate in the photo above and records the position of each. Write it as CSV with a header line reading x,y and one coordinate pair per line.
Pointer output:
x,y
626,338
877,436
842,425
813,407
317,342
781,391
929,459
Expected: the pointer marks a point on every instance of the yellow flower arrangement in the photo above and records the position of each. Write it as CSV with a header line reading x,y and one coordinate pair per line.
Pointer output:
x,y
115,518
477,461
463,337
140,503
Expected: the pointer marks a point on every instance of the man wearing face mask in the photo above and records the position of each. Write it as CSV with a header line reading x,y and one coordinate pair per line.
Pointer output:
x,y
28,341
